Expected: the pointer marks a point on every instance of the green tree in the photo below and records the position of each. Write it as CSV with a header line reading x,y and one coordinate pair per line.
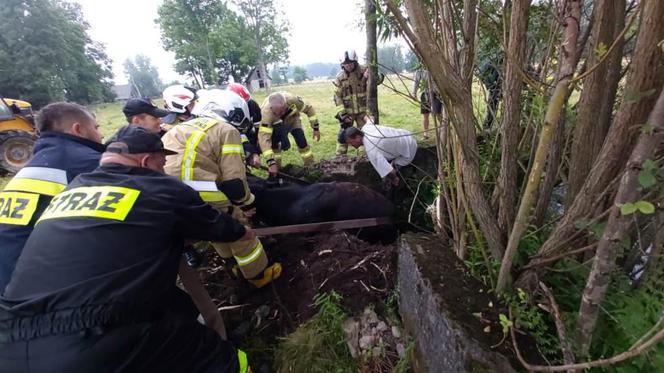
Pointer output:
x,y
299,74
390,59
268,29
209,40
411,63
277,78
143,75
46,54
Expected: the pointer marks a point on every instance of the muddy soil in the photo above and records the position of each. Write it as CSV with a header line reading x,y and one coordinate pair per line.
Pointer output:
x,y
362,273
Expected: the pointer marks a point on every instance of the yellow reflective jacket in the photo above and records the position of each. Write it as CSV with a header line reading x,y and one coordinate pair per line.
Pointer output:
x,y
351,90
296,105
209,151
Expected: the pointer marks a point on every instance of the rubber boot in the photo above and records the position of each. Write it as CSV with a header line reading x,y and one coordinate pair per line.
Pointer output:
x,y
342,149
270,274
307,156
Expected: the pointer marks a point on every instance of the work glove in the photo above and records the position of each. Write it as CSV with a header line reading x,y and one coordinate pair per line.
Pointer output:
x,y
345,119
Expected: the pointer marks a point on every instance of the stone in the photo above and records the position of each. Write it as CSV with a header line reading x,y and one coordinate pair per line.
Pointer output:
x,y
401,350
366,342
448,338
352,331
381,327
396,333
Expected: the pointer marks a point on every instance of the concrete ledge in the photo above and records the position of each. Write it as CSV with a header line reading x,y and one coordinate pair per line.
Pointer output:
x,y
440,303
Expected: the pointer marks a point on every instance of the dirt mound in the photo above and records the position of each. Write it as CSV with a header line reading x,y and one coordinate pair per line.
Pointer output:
x,y
362,273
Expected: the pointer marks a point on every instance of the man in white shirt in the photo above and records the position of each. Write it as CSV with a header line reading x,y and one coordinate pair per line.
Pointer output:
x,y
386,148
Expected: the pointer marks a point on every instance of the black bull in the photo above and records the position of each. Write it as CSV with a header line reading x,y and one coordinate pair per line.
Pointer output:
x,y
299,204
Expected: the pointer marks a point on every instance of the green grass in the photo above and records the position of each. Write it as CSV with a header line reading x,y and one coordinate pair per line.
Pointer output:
x,y
395,111
319,345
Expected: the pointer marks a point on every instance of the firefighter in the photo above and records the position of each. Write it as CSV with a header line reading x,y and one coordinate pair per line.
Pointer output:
x,y
252,150
69,144
179,100
95,284
351,93
280,117
210,160
143,113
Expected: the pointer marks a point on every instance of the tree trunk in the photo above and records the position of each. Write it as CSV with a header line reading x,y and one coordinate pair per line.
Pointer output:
x,y
618,226
469,30
551,175
588,131
513,84
556,105
372,55
645,76
457,98
614,68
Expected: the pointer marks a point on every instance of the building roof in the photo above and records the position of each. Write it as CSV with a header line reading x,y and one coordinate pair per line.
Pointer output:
x,y
252,75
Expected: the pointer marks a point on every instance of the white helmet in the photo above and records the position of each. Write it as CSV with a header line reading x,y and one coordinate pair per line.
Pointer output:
x,y
178,97
349,56
224,105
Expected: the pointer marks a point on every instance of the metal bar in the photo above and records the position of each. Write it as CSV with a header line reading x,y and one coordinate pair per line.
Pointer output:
x,y
287,176
322,226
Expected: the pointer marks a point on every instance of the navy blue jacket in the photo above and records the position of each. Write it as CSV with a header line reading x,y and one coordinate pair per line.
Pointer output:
x,y
57,159
106,253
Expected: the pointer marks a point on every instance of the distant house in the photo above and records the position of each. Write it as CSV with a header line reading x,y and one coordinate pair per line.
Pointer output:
x,y
254,81
124,92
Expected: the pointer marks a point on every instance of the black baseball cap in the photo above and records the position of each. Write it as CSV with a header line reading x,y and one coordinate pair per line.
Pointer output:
x,y
136,106
135,140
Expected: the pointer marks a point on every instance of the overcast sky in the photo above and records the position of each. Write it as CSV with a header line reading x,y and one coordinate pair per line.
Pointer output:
x,y
320,31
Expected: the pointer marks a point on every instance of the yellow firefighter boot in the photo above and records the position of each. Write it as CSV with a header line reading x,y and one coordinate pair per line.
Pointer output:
x,y
270,274
307,156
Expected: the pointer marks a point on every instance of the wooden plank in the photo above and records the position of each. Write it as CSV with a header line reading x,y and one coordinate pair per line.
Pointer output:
x,y
322,226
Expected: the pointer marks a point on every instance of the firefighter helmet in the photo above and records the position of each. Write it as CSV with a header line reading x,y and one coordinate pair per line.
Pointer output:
x,y
224,105
240,90
178,97
349,56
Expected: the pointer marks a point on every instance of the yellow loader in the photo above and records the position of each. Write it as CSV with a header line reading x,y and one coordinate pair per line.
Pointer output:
x,y
17,134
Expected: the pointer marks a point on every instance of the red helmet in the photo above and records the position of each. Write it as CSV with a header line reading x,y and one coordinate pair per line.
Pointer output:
x,y
240,90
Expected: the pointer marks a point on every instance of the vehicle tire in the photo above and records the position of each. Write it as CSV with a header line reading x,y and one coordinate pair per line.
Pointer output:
x,y
15,150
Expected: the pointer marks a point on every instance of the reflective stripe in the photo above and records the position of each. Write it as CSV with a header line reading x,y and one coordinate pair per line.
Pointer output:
x,y
207,190
42,180
306,154
47,188
55,175
17,208
231,149
244,138
268,153
190,155
107,202
267,130
243,362
202,186
213,196
255,254
313,118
